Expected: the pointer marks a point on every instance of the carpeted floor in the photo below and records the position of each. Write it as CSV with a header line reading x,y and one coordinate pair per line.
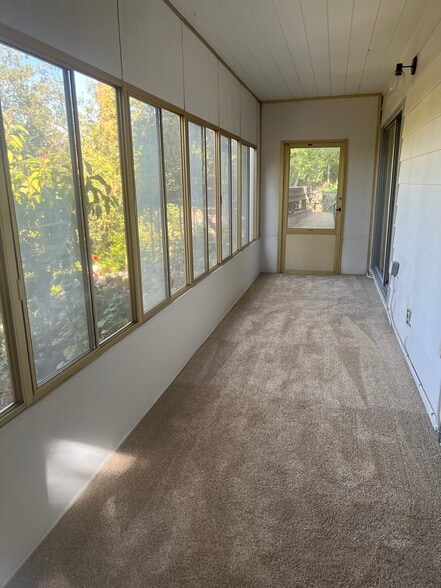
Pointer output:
x,y
293,450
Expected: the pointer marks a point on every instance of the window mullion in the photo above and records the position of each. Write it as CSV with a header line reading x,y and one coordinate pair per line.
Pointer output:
x,y
164,200
129,204
188,237
205,193
12,293
81,199
218,198
239,195
230,194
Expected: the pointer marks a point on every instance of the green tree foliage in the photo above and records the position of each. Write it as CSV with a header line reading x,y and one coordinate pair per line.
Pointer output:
x,y
6,396
316,167
49,210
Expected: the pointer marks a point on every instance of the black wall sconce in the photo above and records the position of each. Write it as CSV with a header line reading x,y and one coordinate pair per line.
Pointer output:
x,y
399,67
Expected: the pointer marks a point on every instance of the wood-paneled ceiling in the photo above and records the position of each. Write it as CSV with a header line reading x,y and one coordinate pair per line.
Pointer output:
x,y
286,49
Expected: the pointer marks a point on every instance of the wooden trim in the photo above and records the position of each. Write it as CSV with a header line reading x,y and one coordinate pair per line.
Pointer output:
x,y
152,100
313,98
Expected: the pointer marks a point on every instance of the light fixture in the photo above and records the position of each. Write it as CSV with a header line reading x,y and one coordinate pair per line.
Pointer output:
x,y
399,82
399,67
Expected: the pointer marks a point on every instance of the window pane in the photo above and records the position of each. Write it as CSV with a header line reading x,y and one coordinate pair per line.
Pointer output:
x,y
245,194
171,129
97,114
210,147
46,207
252,205
226,197
313,187
234,235
149,199
6,393
197,196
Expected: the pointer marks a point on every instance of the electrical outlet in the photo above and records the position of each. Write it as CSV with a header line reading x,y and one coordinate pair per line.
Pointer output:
x,y
408,316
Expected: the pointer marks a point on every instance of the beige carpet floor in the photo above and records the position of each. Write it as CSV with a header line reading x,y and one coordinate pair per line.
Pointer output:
x,y
293,450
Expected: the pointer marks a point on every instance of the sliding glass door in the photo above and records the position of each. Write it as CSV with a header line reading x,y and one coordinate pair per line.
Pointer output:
x,y
385,202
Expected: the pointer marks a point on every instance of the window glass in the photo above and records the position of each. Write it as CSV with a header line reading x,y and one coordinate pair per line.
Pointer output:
x,y
171,133
234,233
6,393
245,194
98,123
252,205
145,124
198,197
35,120
226,196
210,148
313,187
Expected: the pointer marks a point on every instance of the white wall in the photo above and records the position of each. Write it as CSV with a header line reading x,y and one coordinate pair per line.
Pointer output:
x,y
354,119
417,231
50,452
62,24
151,42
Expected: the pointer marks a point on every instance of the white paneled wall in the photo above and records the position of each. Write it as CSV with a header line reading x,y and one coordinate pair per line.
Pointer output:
x,y
229,101
201,91
354,119
84,29
147,45
52,450
249,116
417,229
151,43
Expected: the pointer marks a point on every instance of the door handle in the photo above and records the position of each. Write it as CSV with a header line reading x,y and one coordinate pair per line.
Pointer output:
x,y
338,210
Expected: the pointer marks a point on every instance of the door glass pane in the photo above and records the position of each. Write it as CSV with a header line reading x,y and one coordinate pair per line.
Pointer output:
x,y
97,114
226,197
245,194
6,393
210,148
313,187
46,207
149,201
171,129
197,197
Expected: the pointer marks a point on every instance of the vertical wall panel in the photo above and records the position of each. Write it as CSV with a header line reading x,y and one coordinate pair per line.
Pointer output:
x,y
200,78
229,101
249,112
86,30
151,38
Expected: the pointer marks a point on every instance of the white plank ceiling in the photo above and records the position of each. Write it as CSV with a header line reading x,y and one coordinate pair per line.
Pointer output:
x,y
286,49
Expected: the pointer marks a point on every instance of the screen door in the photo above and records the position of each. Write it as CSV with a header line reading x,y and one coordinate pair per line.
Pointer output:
x,y
313,201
